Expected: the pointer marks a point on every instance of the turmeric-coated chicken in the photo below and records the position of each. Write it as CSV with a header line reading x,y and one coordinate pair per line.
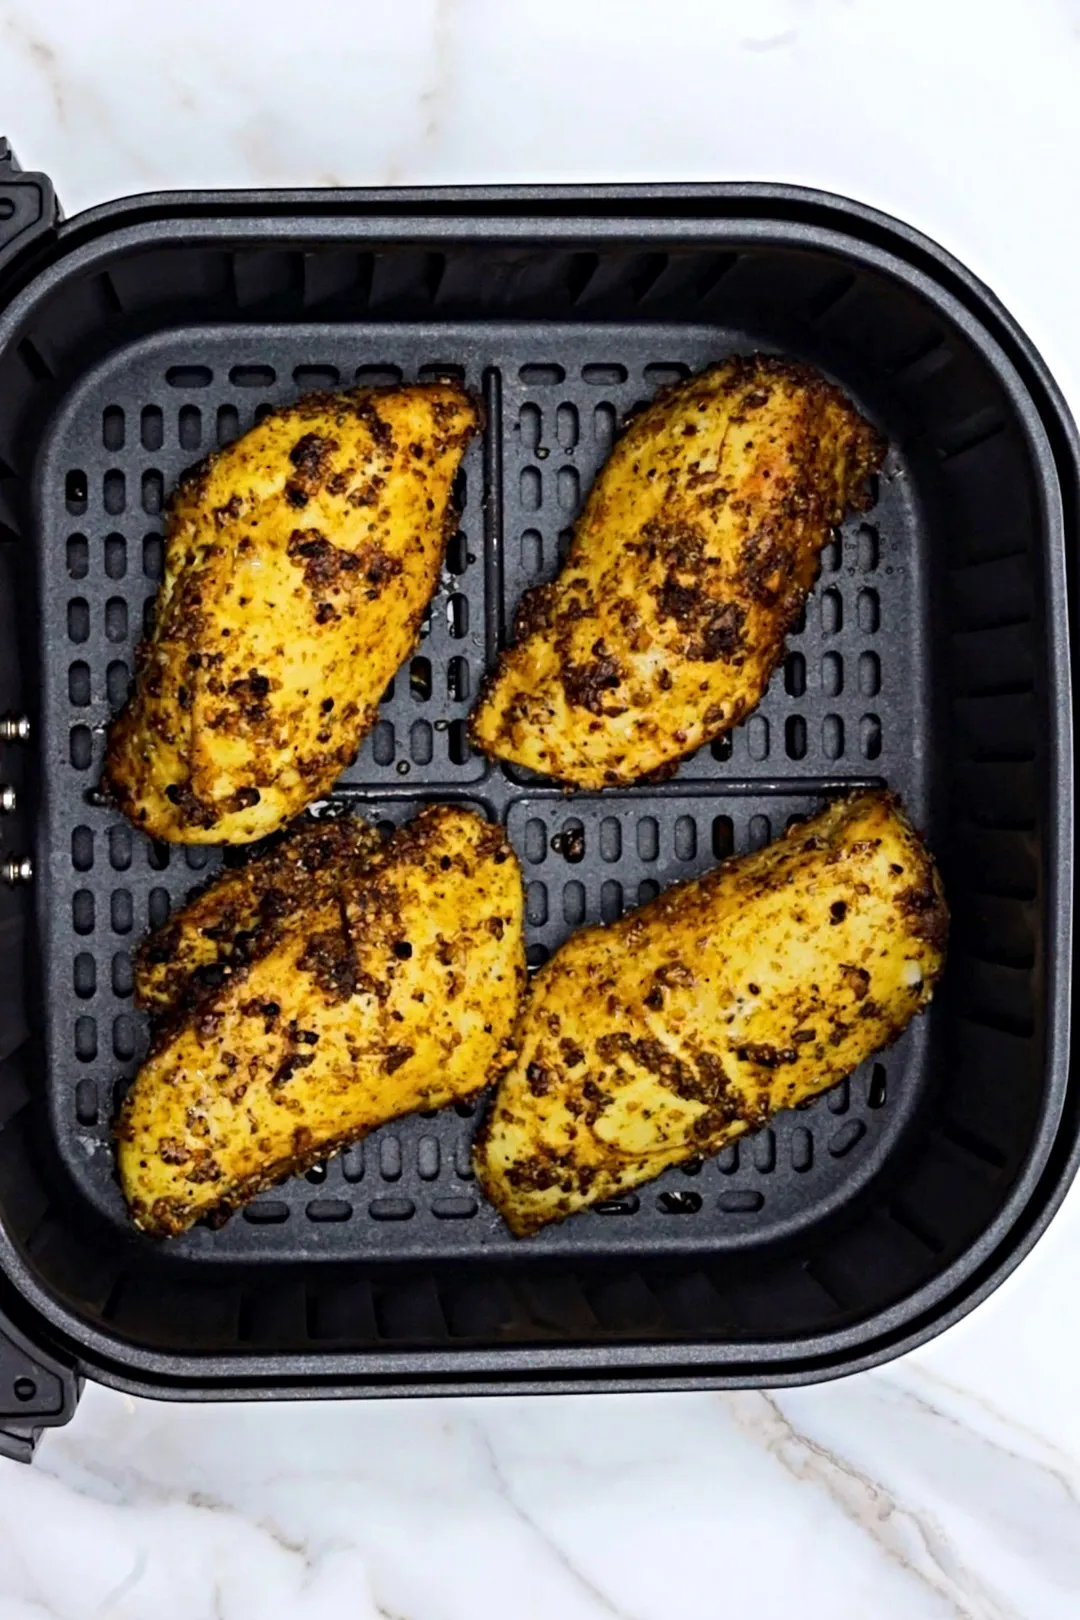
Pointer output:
x,y
221,928
663,1037
392,989
691,561
299,563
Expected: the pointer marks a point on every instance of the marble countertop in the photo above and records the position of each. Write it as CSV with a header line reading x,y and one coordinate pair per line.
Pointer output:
x,y
946,1485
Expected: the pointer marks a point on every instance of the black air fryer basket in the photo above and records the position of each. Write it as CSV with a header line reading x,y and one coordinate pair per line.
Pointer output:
x,y
933,656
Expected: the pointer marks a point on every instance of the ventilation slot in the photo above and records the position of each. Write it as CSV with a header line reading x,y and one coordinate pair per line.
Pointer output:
x,y
795,675
82,849
420,679
228,425
457,615
117,682
458,743
153,556
536,904
391,1209
189,427
152,428
869,674
531,489
253,376
605,422
189,376
382,743
757,738
153,492
832,674
843,1140
740,1202
877,1092
685,838
115,556
116,619
610,839
723,837
76,493
795,737
457,680
309,378
648,838
112,428
79,685
86,1102
541,376
679,1203
78,556
457,554
378,376
454,1209
601,375
567,427
81,747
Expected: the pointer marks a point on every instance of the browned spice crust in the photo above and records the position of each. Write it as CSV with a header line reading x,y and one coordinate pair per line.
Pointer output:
x,y
716,627
251,707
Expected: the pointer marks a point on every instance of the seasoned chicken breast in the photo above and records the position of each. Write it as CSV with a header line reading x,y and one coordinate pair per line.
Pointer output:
x,y
299,563
663,1037
394,990
227,924
690,562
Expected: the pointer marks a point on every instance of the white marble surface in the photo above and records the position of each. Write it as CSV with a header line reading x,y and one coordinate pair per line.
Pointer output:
x,y
947,1485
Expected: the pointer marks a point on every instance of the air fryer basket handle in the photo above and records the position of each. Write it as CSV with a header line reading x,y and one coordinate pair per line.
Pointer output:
x,y
36,1392
28,207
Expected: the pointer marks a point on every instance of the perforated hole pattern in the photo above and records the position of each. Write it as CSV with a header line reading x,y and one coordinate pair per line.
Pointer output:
x,y
845,706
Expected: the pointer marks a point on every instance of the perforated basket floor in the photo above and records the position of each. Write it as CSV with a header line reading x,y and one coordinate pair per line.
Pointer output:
x,y
848,706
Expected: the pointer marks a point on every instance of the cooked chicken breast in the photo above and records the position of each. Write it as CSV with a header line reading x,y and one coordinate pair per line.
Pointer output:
x,y
299,563
227,924
663,1037
397,991
690,562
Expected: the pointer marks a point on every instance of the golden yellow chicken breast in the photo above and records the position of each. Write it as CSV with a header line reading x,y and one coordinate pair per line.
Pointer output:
x,y
691,561
298,566
661,1038
397,991
227,923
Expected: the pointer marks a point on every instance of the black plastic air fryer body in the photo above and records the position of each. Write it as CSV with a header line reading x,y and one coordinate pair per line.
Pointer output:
x,y
933,656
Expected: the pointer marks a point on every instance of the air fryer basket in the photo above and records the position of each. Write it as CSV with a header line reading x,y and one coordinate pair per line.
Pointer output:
x,y
934,656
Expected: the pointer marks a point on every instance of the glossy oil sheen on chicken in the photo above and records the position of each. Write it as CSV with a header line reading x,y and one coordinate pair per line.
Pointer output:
x,y
298,566
394,989
663,1037
691,561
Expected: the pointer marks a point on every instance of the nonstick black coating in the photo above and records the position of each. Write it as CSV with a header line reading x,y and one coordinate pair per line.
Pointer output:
x,y
848,706
933,657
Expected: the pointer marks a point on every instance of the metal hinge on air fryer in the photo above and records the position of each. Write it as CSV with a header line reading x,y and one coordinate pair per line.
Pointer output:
x,y
28,206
